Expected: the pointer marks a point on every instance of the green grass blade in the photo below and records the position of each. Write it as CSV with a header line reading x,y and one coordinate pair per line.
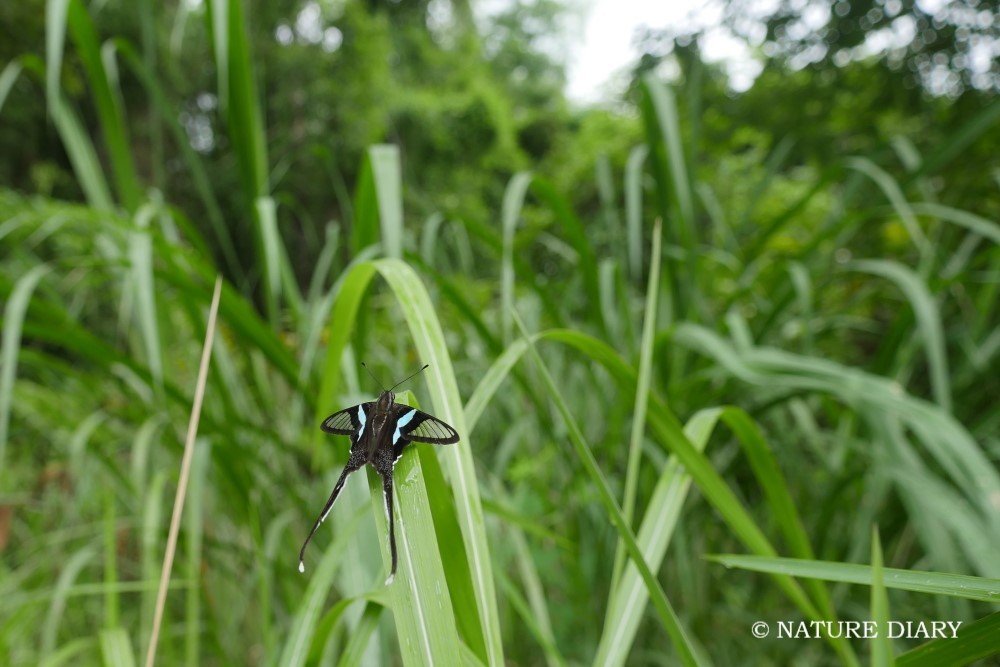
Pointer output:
x,y
936,583
194,519
523,609
638,428
422,608
55,42
116,648
312,603
881,646
81,153
108,104
928,320
975,641
633,209
169,115
354,652
491,381
57,601
669,122
779,497
954,144
112,603
8,77
428,339
387,172
141,284
947,440
70,651
628,600
668,617
513,202
609,206
13,320
578,237
451,547
896,198
271,251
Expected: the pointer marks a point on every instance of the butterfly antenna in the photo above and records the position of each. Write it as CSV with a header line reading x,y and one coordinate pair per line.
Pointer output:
x,y
377,381
426,366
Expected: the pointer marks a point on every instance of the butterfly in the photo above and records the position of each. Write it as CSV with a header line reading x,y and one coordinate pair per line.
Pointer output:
x,y
379,432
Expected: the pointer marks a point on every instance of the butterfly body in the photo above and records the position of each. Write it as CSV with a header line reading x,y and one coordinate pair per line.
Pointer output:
x,y
379,431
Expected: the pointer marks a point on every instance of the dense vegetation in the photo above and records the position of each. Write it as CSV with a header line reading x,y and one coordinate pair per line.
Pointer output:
x,y
752,338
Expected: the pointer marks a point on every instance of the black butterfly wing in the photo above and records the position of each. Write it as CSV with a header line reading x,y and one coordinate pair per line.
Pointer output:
x,y
414,425
350,421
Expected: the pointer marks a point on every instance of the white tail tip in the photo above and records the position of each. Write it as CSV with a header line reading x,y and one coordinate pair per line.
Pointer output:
x,y
302,566
389,579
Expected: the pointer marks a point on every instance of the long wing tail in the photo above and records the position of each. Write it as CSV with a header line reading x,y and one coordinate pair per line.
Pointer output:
x,y
351,466
387,492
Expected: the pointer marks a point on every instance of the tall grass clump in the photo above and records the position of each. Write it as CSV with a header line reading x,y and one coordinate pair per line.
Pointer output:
x,y
723,399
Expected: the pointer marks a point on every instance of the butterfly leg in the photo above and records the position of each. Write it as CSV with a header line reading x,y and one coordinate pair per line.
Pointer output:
x,y
387,493
353,463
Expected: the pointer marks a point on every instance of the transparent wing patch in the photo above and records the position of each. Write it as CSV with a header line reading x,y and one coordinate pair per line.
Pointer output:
x,y
348,421
421,427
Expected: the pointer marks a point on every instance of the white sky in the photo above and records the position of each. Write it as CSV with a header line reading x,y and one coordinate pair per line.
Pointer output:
x,y
603,45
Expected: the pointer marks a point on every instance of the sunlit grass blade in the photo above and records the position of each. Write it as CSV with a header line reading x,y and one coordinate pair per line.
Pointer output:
x,y
149,541
974,223
491,380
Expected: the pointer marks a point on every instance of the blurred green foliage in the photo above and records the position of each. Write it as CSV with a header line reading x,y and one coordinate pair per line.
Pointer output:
x,y
806,346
